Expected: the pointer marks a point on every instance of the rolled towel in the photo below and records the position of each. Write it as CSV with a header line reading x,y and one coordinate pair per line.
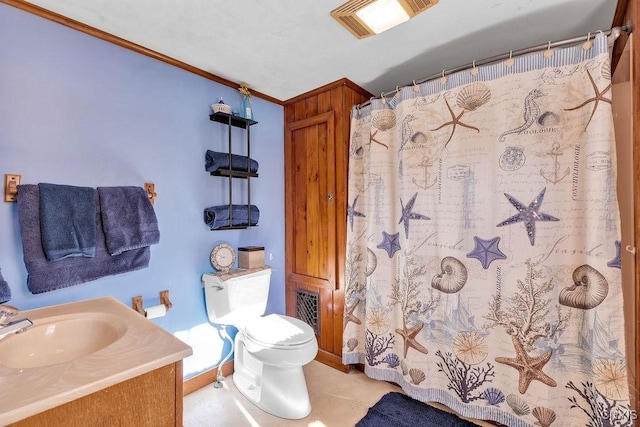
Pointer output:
x,y
128,219
5,292
218,216
215,160
67,221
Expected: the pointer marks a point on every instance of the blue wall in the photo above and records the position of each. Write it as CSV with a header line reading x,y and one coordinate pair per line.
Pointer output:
x,y
80,111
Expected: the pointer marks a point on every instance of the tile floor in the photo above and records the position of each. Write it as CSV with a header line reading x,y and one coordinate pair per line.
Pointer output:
x,y
337,400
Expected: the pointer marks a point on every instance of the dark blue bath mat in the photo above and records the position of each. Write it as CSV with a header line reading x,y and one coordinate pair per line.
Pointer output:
x,y
398,410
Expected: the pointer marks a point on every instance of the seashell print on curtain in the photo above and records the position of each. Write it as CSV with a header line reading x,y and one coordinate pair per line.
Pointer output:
x,y
483,243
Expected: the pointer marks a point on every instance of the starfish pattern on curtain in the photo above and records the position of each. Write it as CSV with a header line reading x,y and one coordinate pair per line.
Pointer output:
x,y
462,293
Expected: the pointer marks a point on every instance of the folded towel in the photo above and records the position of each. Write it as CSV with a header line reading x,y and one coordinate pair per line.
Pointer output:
x,y
218,216
128,219
67,221
5,292
44,276
215,160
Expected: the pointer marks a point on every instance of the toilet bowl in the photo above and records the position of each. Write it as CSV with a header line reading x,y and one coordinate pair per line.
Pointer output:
x,y
269,354
269,351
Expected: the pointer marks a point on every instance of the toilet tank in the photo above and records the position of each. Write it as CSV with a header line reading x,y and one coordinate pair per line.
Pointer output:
x,y
233,298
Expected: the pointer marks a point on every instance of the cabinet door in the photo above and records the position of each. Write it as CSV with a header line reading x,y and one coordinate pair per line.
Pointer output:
x,y
312,252
312,200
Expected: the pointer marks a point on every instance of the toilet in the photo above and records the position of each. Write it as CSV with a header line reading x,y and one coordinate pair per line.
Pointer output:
x,y
271,350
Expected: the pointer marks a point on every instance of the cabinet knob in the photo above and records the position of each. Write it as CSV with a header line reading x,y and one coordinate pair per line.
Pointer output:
x,y
330,197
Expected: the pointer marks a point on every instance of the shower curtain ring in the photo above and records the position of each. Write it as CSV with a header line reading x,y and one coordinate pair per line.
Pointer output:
x,y
474,69
548,53
587,44
382,98
415,87
509,62
443,80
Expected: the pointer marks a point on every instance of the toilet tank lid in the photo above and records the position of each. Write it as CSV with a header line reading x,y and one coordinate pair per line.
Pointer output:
x,y
276,330
219,277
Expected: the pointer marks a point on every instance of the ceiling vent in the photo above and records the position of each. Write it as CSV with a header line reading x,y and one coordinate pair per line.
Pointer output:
x,y
364,18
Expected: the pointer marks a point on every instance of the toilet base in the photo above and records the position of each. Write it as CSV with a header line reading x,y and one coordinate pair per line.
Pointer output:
x,y
284,395
279,391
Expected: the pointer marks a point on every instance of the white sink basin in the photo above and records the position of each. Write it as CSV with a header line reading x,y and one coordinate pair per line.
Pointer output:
x,y
60,339
76,349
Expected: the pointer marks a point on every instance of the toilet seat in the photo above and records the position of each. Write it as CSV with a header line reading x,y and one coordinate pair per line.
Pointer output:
x,y
278,331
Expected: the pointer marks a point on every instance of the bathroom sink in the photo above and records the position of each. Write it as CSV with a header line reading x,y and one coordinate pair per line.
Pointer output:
x,y
60,339
77,349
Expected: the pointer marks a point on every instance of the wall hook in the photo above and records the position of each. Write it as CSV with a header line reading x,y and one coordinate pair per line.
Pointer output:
x,y
11,182
151,191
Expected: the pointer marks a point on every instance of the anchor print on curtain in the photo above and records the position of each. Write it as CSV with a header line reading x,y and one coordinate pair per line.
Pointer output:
x,y
483,242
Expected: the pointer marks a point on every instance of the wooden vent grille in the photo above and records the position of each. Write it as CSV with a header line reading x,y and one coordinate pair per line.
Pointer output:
x,y
346,14
417,6
308,308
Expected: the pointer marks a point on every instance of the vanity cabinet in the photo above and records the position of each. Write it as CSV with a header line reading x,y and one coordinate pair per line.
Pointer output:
x,y
316,159
153,399
238,122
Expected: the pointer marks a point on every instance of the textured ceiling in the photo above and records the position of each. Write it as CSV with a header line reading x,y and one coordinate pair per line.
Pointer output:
x,y
287,47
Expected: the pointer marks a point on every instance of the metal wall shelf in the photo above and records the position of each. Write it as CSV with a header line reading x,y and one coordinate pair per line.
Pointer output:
x,y
243,123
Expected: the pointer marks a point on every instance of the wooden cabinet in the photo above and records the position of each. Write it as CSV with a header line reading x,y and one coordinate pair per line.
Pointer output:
x,y
316,160
153,399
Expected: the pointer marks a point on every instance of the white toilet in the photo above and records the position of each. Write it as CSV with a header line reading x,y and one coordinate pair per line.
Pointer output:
x,y
269,351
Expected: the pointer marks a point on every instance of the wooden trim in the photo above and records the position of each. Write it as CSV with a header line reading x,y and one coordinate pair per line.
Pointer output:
x,y
327,87
206,378
332,360
316,282
620,18
179,393
103,35
632,13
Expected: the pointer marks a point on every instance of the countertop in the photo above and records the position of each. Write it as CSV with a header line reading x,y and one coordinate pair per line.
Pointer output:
x,y
143,347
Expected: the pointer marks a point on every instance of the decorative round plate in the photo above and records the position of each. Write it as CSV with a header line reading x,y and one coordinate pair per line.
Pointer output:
x,y
223,257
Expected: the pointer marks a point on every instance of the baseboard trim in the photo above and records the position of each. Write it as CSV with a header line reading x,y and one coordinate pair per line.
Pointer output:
x,y
332,360
205,378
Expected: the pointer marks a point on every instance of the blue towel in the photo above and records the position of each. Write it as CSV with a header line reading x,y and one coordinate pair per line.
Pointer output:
x,y
67,221
5,292
128,219
218,216
215,160
44,276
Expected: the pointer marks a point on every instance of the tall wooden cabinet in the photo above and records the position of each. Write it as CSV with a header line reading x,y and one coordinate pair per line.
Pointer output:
x,y
316,160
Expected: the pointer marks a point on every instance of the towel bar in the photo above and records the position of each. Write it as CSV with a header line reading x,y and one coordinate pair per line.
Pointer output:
x,y
11,182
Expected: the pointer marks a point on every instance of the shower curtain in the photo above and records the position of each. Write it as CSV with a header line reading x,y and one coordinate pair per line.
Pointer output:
x,y
483,242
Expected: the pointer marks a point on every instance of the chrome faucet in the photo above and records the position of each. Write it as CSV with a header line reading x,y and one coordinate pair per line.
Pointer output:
x,y
9,326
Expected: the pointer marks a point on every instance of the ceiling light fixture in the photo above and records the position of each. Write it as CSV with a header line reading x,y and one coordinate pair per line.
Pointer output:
x,y
364,18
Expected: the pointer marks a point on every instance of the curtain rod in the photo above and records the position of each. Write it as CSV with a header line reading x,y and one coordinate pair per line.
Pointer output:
x,y
613,32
